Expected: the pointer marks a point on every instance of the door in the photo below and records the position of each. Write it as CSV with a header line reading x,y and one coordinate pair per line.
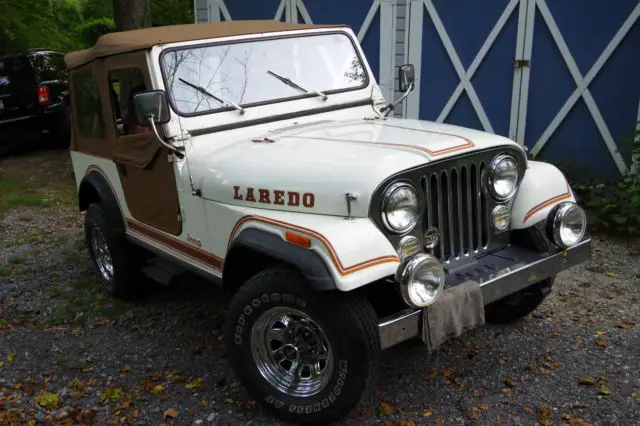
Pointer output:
x,y
584,88
147,177
463,53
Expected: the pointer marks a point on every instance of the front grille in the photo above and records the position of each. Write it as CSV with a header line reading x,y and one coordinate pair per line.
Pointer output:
x,y
458,207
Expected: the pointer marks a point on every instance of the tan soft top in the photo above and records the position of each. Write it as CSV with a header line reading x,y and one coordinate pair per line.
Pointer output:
x,y
128,41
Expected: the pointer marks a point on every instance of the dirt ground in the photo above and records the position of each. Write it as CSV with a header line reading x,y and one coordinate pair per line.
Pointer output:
x,y
71,355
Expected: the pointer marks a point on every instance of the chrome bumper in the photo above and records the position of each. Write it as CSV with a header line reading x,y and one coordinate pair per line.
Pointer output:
x,y
499,274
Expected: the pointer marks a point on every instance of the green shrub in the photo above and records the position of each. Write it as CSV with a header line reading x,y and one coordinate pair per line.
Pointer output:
x,y
615,205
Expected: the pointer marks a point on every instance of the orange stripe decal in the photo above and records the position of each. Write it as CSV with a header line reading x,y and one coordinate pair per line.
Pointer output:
x,y
180,246
325,242
547,203
468,143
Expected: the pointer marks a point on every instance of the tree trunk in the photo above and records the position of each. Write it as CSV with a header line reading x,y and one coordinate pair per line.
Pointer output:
x,y
131,14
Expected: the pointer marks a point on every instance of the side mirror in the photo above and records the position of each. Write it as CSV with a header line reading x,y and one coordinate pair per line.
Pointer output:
x,y
151,103
407,77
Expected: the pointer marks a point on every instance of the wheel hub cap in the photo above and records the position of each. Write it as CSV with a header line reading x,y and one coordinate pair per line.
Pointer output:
x,y
291,351
102,254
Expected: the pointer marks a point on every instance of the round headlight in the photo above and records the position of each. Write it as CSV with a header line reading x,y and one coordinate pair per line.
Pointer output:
x,y
400,208
421,279
503,177
569,224
500,217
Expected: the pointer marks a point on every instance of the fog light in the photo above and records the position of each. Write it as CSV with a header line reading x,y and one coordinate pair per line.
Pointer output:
x,y
408,246
568,224
421,279
500,217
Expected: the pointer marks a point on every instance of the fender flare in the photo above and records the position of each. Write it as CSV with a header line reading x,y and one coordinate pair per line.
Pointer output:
x,y
96,181
308,262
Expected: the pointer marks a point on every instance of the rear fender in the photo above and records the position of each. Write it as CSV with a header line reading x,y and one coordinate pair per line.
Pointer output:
x,y
542,187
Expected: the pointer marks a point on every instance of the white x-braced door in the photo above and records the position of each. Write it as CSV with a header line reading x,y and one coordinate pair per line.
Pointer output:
x,y
520,68
465,58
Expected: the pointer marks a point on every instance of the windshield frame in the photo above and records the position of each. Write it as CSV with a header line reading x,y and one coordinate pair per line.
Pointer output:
x,y
247,106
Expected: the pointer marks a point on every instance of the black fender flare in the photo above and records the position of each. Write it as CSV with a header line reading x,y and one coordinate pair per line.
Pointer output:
x,y
308,262
96,182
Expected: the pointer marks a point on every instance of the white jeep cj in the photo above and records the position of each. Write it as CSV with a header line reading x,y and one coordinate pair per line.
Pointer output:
x,y
260,155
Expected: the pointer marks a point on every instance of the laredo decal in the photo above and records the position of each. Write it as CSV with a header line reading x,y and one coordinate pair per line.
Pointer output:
x,y
267,196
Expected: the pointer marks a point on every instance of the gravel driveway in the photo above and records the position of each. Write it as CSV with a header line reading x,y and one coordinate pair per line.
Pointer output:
x,y
69,355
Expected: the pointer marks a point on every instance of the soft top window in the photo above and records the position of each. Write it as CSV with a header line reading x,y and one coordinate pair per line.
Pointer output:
x,y
210,78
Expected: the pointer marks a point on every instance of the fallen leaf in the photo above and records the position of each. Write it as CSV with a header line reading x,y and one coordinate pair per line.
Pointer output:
x,y
510,383
505,390
587,381
501,361
228,401
578,404
48,400
611,274
601,333
11,356
604,390
528,410
481,407
385,409
439,420
427,413
601,342
624,324
171,412
157,389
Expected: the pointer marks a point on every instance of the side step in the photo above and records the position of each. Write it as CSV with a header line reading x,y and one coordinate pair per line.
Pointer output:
x,y
162,271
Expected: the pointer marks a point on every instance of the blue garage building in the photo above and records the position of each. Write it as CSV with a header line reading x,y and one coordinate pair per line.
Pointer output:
x,y
561,77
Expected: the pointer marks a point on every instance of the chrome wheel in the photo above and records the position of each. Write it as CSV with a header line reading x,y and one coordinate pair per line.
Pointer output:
x,y
102,254
291,351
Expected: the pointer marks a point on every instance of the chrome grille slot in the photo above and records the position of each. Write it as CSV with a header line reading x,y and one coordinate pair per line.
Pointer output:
x,y
458,207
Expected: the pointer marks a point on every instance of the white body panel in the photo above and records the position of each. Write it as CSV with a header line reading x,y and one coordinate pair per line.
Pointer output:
x,y
543,187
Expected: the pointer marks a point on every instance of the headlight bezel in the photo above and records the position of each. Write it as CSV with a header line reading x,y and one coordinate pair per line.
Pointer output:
x,y
554,223
388,192
490,182
407,271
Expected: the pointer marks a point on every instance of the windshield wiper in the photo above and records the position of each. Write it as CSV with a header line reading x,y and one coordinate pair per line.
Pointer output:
x,y
296,86
221,99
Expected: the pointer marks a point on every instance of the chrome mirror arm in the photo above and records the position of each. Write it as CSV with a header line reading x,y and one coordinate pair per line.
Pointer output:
x,y
391,105
178,153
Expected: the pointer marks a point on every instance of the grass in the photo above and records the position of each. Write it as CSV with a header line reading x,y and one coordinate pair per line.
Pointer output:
x,y
81,301
15,194
5,272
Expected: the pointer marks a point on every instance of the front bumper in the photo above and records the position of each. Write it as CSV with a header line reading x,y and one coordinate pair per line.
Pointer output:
x,y
499,274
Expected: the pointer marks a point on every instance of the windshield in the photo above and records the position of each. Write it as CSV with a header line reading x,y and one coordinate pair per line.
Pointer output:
x,y
260,71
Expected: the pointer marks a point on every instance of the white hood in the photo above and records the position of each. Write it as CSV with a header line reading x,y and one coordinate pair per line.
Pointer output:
x,y
325,161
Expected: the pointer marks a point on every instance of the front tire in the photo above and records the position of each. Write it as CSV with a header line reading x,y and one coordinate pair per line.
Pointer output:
x,y
117,262
308,357
518,305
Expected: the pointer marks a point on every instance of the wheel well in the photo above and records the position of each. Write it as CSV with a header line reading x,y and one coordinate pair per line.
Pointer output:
x,y
241,264
87,195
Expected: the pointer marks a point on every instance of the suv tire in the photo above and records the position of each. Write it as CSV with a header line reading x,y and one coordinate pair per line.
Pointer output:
x,y
275,321
117,261
518,305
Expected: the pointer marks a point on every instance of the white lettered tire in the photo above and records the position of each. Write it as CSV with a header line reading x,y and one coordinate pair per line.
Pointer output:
x,y
307,356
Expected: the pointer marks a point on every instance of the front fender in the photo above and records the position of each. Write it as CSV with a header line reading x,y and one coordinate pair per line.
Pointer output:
x,y
542,187
354,251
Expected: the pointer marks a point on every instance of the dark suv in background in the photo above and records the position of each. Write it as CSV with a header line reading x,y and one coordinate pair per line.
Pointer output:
x,y
34,105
